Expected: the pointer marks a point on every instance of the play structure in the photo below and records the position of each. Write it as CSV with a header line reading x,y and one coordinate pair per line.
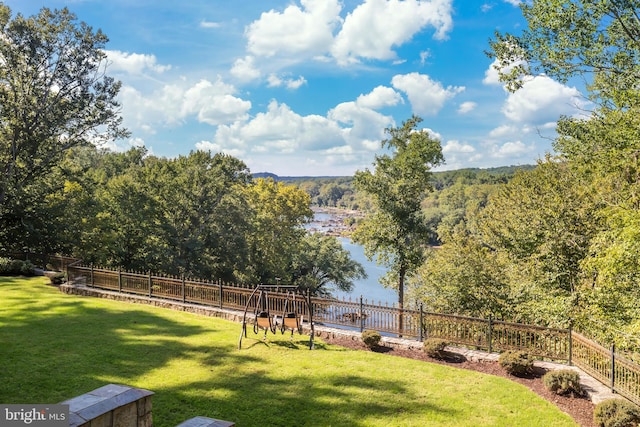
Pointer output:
x,y
277,307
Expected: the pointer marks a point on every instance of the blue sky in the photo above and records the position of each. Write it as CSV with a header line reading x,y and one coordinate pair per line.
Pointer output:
x,y
307,87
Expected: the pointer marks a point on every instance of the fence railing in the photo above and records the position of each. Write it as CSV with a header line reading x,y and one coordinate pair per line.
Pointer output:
x,y
612,369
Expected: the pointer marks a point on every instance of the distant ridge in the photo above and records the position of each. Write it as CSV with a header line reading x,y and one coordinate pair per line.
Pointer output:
x,y
495,170
291,178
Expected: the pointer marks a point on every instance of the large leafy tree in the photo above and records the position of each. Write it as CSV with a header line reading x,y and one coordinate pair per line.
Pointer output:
x,y
201,220
322,264
396,232
596,40
54,95
278,213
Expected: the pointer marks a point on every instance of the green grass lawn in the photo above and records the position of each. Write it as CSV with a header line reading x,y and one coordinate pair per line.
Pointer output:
x,y
55,346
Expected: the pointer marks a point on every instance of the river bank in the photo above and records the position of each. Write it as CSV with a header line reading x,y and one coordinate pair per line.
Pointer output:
x,y
334,221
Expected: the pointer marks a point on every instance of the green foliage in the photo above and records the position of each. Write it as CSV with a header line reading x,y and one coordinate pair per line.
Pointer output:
x,y
597,40
396,230
10,267
57,278
371,338
516,363
616,413
55,96
322,262
563,382
434,347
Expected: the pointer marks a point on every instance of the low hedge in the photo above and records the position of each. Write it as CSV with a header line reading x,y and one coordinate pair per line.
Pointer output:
x,y
15,267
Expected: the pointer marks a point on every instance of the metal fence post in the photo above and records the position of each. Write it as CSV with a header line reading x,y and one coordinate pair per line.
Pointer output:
x,y
184,293
490,334
570,343
220,292
91,273
361,315
421,326
613,368
150,284
119,279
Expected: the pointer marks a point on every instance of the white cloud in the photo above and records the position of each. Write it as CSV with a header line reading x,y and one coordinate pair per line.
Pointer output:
x,y
375,27
456,147
213,103
134,63
511,149
209,24
245,70
381,96
492,76
274,81
467,107
542,100
427,97
366,125
513,2
504,130
280,130
306,30
217,148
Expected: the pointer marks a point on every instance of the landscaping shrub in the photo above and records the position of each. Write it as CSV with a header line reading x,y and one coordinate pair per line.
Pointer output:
x,y
57,278
434,347
10,267
616,413
563,381
5,266
516,362
371,338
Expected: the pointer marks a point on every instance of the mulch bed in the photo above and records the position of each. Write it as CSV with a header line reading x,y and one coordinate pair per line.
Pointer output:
x,y
579,408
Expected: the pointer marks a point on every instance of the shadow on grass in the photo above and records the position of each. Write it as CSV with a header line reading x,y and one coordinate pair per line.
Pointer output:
x,y
54,347
259,399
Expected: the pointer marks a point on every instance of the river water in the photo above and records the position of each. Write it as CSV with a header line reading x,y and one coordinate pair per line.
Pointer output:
x,y
370,288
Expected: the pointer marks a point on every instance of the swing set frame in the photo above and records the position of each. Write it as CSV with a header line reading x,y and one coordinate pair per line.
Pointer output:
x,y
290,320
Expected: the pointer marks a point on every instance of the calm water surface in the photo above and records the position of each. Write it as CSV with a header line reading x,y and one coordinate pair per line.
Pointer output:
x,y
370,288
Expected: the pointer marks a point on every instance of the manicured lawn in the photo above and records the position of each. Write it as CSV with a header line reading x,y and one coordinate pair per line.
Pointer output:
x,y
55,346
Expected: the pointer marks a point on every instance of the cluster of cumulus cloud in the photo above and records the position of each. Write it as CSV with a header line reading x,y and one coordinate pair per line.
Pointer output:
x,y
321,32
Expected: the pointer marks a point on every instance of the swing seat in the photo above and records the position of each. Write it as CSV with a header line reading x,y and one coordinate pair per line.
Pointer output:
x,y
264,320
290,321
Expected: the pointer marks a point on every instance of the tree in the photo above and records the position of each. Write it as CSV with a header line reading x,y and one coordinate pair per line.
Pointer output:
x,y
54,95
202,224
463,276
597,40
278,215
542,222
396,231
322,262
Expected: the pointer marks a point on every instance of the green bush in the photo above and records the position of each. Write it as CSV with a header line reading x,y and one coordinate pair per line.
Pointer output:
x,y
10,267
616,413
563,381
5,266
371,338
434,347
516,362
57,278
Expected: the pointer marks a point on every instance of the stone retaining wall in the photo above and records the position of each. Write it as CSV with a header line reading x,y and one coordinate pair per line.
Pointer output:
x,y
113,405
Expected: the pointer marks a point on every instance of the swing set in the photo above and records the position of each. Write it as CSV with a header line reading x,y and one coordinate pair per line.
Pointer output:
x,y
291,318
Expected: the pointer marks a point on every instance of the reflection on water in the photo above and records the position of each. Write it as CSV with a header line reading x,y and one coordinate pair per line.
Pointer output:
x,y
369,288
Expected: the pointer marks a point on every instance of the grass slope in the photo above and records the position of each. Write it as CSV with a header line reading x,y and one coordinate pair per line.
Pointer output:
x,y
55,346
